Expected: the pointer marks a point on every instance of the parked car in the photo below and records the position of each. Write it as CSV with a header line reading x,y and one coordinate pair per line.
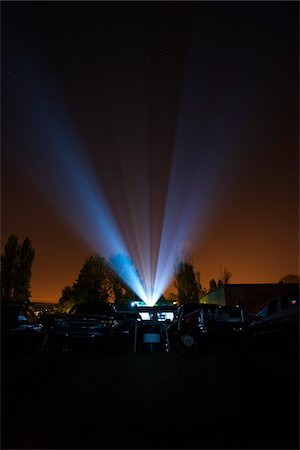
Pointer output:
x,y
85,326
127,322
21,331
207,324
277,322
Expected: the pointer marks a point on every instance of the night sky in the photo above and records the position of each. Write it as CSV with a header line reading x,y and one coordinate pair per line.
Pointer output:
x,y
181,116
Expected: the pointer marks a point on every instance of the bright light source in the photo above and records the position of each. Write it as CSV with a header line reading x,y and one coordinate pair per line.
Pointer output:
x,y
144,236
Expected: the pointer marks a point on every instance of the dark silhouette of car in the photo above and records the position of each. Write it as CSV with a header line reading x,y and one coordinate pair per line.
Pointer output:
x,y
127,322
277,322
21,331
85,326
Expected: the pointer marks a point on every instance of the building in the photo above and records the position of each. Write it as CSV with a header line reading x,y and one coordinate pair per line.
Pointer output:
x,y
248,296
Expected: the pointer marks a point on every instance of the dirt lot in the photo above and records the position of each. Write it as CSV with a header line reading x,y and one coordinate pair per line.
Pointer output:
x,y
220,399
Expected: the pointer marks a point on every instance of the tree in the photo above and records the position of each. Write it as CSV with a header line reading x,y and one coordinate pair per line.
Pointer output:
x,y
67,299
8,268
120,291
16,270
24,271
186,283
225,275
91,285
212,284
198,281
123,274
290,278
98,282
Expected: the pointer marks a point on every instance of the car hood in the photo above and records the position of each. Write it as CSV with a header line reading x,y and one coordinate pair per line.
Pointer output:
x,y
87,317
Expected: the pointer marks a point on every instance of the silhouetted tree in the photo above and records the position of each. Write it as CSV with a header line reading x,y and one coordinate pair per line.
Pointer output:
x,y
67,298
16,270
225,275
290,278
91,285
23,271
220,283
8,268
123,274
120,291
198,281
212,284
98,282
186,283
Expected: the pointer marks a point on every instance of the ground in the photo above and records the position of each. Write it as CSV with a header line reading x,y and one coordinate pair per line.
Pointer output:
x,y
225,398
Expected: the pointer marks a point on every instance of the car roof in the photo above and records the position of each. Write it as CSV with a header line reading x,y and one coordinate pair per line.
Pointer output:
x,y
155,308
93,308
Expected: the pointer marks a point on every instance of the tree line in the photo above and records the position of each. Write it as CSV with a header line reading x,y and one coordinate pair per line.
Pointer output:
x,y
98,280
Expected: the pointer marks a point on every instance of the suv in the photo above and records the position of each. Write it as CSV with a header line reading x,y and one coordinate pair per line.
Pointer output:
x,y
277,322
207,323
85,323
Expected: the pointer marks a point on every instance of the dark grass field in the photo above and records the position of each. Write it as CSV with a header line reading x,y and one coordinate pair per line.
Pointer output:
x,y
225,398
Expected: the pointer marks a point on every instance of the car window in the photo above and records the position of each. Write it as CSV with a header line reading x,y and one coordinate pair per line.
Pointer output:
x,y
234,314
262,312
190,308
272,307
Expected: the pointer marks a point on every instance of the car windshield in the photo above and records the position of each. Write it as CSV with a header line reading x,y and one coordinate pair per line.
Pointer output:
x,y
104,309
224,314
210,311
234,313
